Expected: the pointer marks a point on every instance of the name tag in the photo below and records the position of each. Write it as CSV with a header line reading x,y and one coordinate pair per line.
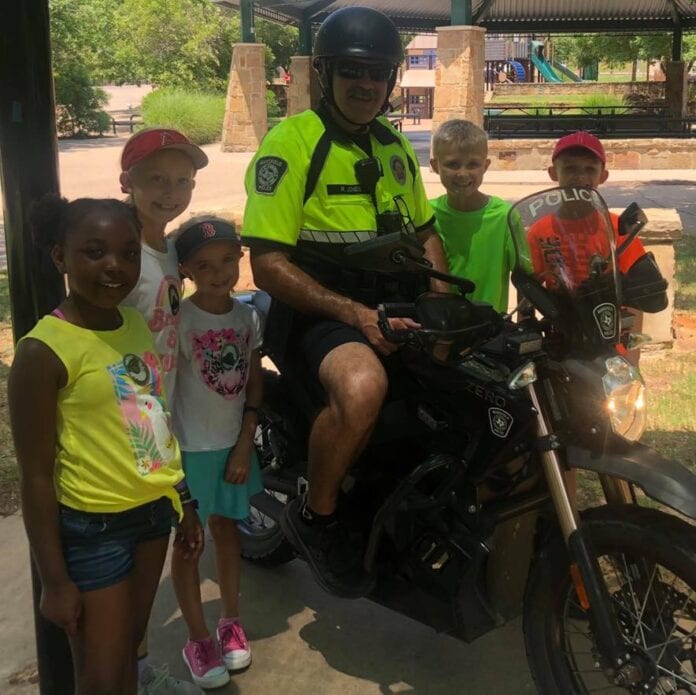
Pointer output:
x,y
344,189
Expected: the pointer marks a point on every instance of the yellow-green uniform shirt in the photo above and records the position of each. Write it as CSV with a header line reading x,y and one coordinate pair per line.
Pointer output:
x,y
115,449
338,211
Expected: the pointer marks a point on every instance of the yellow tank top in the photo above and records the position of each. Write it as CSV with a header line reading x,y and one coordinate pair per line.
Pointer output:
x,y
115,447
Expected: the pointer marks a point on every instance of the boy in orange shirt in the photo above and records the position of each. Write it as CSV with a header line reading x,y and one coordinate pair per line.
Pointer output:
x,y
579,159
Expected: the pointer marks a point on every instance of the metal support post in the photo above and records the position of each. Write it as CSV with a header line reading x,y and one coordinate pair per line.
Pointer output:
x,y
461,13
29,169
246,8
305,47
677,44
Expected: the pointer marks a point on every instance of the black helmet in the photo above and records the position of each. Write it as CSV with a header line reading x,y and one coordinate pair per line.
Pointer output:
x,y
359,32
356,32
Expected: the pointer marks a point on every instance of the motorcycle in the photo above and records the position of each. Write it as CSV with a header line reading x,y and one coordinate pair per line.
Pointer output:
x,y
464,498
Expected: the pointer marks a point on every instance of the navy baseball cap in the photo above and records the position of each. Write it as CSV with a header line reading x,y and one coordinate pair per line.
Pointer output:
x,y
196,234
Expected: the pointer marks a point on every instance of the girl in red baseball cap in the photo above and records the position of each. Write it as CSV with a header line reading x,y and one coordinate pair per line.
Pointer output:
x,y
158,169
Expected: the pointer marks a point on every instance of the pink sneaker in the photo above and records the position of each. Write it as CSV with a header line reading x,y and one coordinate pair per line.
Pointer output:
x,y
233,644
204,662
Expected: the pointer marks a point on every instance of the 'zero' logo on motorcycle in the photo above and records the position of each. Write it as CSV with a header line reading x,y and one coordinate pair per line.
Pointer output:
x,y
605,316
500,421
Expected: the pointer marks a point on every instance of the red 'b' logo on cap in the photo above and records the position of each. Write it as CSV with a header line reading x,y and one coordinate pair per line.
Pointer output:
x,y
208,230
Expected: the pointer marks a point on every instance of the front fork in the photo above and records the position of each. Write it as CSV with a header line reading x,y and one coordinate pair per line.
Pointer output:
x,y
591,588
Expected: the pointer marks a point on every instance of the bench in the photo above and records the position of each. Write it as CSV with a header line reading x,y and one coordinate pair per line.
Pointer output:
x,y
397,122
502,125
133,120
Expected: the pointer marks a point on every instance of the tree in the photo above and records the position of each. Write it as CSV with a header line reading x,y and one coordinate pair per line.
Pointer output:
x,y
283,42
617,49
78,51
169,42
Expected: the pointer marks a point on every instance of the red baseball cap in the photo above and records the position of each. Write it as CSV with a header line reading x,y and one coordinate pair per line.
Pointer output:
x,y
151,140
583,140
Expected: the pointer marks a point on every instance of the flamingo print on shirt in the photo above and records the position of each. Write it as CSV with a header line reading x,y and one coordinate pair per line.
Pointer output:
x,y
138,387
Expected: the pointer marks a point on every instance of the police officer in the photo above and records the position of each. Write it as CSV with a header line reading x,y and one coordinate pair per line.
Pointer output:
x,y
321,180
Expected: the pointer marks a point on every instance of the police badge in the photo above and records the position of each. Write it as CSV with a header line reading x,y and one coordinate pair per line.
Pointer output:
x,y
606,317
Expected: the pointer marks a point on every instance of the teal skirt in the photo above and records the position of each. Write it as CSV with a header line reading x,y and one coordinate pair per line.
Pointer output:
x,y
205,475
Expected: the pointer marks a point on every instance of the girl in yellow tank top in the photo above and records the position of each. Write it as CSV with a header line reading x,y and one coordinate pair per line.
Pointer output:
x,y
100,469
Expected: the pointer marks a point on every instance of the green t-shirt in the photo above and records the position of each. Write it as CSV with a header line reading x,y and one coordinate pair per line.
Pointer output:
x,y
479,247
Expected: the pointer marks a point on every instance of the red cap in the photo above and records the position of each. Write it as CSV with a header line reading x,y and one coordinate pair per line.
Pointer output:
x,y
151,140
583,140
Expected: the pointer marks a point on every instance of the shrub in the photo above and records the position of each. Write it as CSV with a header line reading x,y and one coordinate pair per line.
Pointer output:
x,y
197,114
272,106
79,104
597,100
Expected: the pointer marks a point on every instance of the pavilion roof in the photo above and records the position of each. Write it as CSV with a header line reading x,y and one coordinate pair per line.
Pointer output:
x,y
504,16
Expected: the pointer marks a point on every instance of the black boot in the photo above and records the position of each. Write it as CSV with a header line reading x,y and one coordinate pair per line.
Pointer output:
x,y
335,558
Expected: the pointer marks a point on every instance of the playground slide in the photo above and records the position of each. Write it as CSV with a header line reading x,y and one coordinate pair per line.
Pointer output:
x,y
544,67
566,71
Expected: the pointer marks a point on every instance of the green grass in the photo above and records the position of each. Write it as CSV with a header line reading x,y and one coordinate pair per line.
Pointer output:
x,y
685,251
5,314
672,406
198,115
606,77
9,475
597,100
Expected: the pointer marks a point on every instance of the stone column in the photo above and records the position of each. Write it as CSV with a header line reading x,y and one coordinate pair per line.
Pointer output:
x,y
459,78
246,118
676,89
303,91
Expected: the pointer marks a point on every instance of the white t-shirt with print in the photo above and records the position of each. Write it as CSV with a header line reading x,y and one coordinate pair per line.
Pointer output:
x,y
157,296
214,357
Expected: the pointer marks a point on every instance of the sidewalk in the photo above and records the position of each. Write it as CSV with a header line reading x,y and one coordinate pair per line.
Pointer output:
x,y
303,640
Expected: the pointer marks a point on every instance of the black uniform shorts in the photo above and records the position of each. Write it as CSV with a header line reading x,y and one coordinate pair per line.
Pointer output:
x,y
316,338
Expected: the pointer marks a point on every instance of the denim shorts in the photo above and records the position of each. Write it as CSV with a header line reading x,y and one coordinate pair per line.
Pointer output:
x,y
99,549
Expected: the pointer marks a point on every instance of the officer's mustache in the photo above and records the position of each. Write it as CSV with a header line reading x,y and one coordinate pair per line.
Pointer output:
x,y
361,93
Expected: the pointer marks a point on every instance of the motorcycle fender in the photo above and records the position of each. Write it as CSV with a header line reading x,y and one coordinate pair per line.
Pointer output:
x,y
660,478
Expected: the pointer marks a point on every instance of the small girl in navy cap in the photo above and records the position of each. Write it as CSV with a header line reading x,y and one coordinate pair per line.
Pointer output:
x,y
215,417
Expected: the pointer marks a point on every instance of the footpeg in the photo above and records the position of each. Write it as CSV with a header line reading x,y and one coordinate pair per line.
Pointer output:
x,y
302,486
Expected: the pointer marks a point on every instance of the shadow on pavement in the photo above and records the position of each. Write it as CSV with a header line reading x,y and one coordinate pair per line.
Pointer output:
x,y
81,144
676,194
300,634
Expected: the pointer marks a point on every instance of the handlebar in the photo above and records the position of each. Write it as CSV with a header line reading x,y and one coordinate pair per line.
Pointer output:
x,y
444,320
400,257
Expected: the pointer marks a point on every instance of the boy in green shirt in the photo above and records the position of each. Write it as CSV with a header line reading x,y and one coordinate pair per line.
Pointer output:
x,y
473,226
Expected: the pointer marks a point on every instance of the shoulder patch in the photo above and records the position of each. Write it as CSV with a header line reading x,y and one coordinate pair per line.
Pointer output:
x,y
398,168
269,173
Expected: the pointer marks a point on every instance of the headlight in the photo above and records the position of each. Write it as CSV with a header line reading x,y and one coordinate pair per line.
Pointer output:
x,y
625,392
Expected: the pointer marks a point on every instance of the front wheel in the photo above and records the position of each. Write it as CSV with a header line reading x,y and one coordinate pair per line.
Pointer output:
x,y
648,560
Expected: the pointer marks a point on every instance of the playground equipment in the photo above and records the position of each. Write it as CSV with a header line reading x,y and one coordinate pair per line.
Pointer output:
x,y
542,65
520,72
564,69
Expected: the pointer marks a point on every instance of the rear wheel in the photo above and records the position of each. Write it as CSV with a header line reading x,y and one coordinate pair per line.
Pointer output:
x,y
262,539
648,560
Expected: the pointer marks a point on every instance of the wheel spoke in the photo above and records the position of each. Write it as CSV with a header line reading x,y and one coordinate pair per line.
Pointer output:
x,y
671,632
645,603
676,677
656,609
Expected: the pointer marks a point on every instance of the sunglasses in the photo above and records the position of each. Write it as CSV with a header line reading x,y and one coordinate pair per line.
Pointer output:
x,y
356,71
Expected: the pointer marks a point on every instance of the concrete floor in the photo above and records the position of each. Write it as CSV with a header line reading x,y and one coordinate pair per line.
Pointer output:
x,y
303,640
